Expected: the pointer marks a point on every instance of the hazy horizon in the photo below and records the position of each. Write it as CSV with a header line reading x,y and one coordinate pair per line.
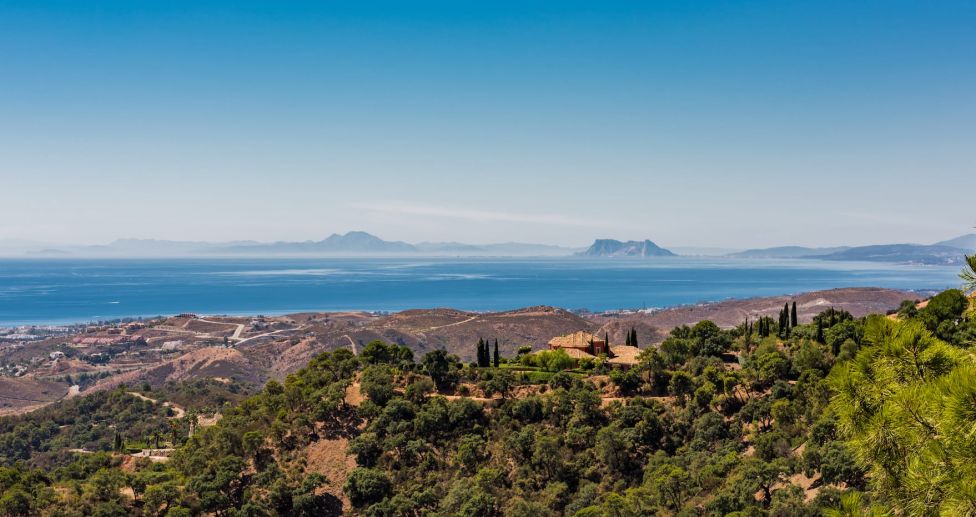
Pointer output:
x,y
711,124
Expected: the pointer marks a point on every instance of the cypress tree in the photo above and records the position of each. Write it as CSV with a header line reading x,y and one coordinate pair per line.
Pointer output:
x,y
482,353
633,340
793,319
627,341
820,331
496,353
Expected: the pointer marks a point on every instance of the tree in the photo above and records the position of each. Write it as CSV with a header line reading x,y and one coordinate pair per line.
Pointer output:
x,y
948,305
709,339
377,383
669,483
366,486
968,274
482,361
497,357
501,382
681,385
557,360
793,319
376,352
440,367
905,406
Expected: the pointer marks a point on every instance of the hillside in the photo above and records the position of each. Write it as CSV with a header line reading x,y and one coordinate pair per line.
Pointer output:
x,y
251,351
769,420
859,301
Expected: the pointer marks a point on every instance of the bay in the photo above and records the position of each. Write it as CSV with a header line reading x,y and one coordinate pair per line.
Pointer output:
x,y
56,291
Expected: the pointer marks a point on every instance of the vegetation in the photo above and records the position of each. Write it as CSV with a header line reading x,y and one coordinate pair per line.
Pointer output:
x,y
841,415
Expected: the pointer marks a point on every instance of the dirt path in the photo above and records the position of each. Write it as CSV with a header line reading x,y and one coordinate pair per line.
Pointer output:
x,y
259,336
176,409
237,331
472,318
355,351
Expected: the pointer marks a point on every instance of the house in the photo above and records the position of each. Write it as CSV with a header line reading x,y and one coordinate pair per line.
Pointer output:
x,y
580,341
583,345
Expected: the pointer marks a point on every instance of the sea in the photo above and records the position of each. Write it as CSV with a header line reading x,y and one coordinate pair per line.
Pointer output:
x,y
64,291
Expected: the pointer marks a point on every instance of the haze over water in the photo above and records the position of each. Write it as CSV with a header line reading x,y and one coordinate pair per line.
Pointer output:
x,y
68,291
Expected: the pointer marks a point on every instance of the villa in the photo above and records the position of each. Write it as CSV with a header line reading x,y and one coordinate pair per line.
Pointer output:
x,y
583,345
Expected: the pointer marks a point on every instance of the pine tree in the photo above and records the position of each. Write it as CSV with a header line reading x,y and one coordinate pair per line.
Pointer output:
x,y
497,359
793,319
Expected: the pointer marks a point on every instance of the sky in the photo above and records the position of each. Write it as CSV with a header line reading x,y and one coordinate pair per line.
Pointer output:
x,y
707,123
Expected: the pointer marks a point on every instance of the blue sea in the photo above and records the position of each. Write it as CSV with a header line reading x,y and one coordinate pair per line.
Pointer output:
x,y
54,291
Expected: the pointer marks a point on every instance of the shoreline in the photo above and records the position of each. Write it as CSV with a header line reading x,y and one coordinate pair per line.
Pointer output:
x,y
608,313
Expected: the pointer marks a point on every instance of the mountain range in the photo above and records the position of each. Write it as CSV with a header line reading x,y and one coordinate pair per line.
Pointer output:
x,y
358,243
354,243
949,252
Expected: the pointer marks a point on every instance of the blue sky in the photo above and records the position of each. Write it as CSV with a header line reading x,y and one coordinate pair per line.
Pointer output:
x,y
729,124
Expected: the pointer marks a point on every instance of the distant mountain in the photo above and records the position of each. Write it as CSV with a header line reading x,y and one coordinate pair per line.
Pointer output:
x,y
787,252
615,248
17,247
350,243
156,248
935,255
965,242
